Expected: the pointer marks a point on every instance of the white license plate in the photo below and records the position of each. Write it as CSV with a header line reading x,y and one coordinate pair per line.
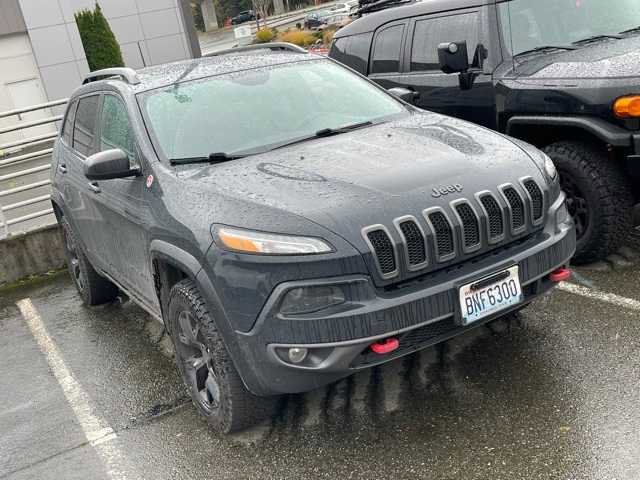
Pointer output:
x,y
490,295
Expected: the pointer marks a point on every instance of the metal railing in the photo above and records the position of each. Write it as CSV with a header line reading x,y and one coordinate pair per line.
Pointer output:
x,y
24,193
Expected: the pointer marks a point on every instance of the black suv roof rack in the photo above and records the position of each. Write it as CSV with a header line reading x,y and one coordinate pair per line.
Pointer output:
x,y
273,46
370,6
129,75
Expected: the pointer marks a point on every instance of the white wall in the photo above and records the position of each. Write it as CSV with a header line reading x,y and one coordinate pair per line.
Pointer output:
x,y
149,32
20,84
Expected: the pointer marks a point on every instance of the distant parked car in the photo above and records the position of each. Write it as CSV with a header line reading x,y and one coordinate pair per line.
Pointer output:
x,y
242,17
346,7
316,20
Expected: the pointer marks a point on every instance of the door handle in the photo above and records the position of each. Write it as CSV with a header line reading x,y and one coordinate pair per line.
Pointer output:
x,y
62,168
94,187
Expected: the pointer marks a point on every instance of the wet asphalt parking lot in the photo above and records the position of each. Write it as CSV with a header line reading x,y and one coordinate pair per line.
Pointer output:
x,y
89,393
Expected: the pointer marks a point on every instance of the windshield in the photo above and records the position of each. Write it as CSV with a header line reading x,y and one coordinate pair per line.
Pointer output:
x,y
251,110
537,23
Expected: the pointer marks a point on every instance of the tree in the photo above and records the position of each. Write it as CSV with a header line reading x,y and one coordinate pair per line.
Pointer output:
x,y
261,8
99,42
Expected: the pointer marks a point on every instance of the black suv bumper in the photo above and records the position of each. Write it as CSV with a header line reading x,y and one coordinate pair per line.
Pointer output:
x,y
419,314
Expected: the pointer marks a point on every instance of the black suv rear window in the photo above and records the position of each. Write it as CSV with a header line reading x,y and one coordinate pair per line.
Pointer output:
x,y
431,32
386,50
353,51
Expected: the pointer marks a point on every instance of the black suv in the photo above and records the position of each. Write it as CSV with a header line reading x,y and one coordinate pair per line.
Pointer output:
x,y
291,222
563,75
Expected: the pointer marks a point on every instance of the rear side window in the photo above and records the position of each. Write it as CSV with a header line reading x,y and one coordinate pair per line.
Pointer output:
x,y
353,51
429,33
115,128
67,128
386,50
84,131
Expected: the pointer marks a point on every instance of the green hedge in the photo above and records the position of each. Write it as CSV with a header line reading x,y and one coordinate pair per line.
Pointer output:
x,y
100,44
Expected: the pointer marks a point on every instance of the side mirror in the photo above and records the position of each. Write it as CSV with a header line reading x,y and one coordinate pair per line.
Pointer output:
x,y
109,164
453,57
405,94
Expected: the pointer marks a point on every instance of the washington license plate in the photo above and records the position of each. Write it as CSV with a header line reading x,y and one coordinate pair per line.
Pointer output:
x,y
490,295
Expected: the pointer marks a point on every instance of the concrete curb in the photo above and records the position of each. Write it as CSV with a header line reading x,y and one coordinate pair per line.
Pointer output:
x,y
31,253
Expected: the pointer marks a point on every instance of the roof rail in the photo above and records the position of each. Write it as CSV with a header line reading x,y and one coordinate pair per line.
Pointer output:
x,y
129,75
370,6
273,46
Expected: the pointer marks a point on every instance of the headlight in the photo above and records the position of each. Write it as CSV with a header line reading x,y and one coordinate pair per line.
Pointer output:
x,y
248,241
550,168
311,299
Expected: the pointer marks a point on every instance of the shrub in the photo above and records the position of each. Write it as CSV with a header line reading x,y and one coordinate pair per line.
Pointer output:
x,y
327,35
99,42
264,35
301,38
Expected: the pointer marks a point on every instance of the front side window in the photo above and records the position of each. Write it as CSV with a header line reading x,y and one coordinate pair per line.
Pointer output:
x,y
115,128
256,110
431,32
84,130
386,50
528,24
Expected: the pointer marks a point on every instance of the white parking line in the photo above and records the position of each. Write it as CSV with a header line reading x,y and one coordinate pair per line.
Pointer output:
x,y
96,430
624,302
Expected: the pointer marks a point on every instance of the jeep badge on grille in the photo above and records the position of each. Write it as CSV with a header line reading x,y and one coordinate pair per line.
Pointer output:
x,y
446,190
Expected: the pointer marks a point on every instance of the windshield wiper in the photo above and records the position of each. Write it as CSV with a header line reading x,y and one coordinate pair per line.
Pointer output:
x,y
631,30
325,132
218,157
596,37
544,48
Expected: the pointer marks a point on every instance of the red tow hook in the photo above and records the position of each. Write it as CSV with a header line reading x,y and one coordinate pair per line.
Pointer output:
x,y
560,275
385,346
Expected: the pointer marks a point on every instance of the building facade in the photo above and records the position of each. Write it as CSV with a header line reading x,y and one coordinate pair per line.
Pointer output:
x,y
41,54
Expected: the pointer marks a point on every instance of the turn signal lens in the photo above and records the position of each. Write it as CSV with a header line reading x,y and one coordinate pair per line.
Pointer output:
x,y
627,107
248,241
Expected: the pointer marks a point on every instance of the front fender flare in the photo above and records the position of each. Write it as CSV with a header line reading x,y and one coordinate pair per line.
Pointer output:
x,y
605,131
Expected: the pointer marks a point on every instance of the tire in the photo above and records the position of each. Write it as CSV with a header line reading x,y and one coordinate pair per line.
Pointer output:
x,y
93,288
598,197
215,386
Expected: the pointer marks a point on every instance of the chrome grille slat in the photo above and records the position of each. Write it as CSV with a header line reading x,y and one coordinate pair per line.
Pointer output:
x,y
518,218
470,224
414,242
384,251
443,234
487,218
537,199
495,216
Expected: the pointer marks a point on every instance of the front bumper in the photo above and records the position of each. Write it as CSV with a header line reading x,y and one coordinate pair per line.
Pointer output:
x,y
420,314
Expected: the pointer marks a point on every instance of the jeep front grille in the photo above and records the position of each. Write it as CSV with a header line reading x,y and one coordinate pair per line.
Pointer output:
x,y
384,251
517,208
444,234
537,199
495,216
414,239
470,225
466,225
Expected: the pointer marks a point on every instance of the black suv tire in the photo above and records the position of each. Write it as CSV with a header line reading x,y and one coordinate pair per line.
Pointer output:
x,y
93,288
206,368
598,196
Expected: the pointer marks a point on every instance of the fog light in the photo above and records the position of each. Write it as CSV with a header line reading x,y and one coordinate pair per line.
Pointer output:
x,y
311,299
297,354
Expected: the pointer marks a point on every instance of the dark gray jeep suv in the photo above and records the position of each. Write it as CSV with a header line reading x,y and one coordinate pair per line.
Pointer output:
x,y
291,222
